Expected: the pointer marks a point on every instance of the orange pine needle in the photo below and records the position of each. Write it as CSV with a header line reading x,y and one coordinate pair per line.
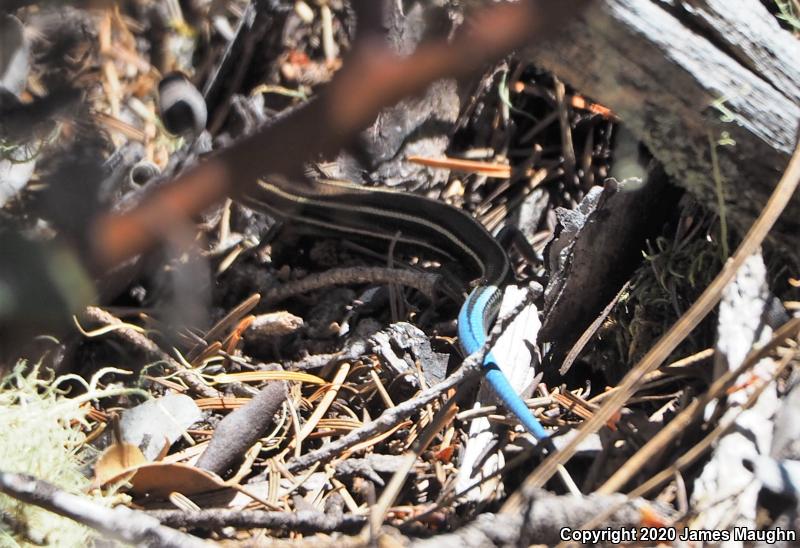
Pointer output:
x,y
465,166
578,101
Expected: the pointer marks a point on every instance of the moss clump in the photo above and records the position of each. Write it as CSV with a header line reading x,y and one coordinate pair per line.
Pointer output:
x,y
43,433
675,272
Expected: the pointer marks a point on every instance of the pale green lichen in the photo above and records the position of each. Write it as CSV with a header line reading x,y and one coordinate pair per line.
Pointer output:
x,y
43,434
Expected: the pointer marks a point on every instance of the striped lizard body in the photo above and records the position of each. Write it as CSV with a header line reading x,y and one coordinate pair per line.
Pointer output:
x,y
351,210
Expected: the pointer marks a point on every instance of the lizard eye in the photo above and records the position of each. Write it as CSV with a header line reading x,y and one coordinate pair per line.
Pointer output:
x,y
182,107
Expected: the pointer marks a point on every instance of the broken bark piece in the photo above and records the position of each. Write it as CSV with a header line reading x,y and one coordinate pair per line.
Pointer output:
x,y
273,324
779,491
596,249
401,346
515,353
685,75
741,324
740,328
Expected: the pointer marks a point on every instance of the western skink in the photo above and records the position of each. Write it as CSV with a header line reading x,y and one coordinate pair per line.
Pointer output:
x,y
337,207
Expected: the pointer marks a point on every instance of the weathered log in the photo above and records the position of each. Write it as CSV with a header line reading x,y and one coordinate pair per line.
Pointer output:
x,y
684,74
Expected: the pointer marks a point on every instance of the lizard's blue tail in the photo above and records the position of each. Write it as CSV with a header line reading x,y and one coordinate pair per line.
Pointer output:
x,y
512,400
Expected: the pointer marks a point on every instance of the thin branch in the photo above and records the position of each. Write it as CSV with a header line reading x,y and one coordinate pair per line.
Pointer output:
x,y
388,419
301,522
372,78
392,417
151,350
118,523
678,425
423,282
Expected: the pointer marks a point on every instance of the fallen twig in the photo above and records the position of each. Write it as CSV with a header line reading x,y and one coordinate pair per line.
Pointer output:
x,y
151,350
543,519
392,417
421,281
387,420
688,458
237,432
373,77
692,412
119,523
301,522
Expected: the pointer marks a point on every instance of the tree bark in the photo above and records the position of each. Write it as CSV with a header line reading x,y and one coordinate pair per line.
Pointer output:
x,y
683,75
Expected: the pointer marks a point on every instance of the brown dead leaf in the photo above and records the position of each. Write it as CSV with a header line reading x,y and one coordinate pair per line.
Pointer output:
x,y
116,463
159,479
125,462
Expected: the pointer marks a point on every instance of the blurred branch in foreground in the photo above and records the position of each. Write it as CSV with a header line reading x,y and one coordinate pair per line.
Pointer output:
x,y
372,78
